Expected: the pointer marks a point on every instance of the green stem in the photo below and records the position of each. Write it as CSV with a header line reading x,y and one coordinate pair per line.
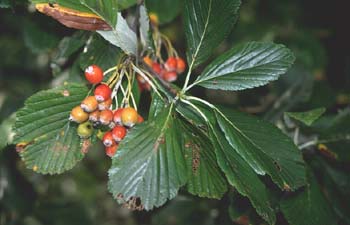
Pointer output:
x,y
188,75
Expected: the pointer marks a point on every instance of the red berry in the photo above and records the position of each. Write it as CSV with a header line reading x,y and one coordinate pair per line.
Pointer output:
x,y
162,72
181,65
156,68
94,74
171,64
106,117
117,117
129,116
119,133
170,76
140,79
105,105
89,104
110,151
146,86
108,140
102,93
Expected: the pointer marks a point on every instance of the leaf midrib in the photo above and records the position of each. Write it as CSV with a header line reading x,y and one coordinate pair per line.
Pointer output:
x,y
233,72
194,56
161,134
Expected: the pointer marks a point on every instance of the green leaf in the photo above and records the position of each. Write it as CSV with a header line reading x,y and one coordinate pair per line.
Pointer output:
x,y
124,4
247,66
106,9
166,11
308,206
264,147
122,36
53,145
101,53
308,117
70,45
207,24
156,107
335,136
144,27
149,166
66,48
6,134
204,176
241,176
336,183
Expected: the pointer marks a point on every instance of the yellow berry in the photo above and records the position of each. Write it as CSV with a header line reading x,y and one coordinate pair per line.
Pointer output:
x,y
78,115
129,116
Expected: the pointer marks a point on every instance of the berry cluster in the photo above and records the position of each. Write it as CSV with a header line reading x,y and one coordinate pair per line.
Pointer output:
x,y
105,111
123,119
95,112
167,71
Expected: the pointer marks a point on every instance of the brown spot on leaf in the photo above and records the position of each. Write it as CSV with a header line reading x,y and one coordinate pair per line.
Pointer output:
x,y
277,166
60,147
20,147
160,141
85,146
188,145
35,168
286,187
65,93
195,158
133,203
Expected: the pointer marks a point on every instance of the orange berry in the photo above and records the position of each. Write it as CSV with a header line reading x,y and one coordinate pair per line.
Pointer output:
x,y
129,116
171,64
102,93
106,117
78,115
148,61
181,65
154,19
89,104
94,74
105,105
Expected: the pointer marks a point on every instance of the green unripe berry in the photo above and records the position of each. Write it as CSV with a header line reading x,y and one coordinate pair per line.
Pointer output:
x,y
85,130
100,134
